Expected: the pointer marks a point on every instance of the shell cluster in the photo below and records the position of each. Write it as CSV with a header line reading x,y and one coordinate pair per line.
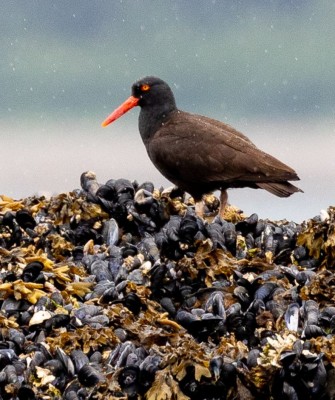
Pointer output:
x,y
119,291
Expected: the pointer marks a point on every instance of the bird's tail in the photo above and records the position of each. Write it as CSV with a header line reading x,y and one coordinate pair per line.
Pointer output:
x,y
282,189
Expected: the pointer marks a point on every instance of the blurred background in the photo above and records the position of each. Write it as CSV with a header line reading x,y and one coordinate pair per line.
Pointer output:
x,y
265,67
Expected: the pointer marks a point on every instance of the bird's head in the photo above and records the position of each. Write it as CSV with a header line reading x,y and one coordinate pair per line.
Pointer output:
x,y
147,92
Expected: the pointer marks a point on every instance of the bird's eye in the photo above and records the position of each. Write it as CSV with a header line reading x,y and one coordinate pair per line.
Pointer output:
x,y
145,87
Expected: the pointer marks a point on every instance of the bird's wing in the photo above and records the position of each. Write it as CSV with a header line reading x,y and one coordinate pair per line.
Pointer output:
x,y
199,149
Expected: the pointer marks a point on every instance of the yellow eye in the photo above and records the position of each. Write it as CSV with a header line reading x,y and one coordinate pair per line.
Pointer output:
x,y
145,87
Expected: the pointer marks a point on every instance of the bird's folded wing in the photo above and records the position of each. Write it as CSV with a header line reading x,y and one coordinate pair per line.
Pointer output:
x,y
200,149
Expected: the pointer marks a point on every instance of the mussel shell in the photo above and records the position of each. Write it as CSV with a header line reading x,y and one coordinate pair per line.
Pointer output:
x,y
25,219
128,380
31,272
89,376
292,317
26,392
312,331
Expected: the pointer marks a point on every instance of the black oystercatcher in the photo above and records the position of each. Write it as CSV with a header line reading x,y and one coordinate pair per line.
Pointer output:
x,y
200,154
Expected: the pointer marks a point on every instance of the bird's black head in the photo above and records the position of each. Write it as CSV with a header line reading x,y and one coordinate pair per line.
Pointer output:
x,y
152,91
156,100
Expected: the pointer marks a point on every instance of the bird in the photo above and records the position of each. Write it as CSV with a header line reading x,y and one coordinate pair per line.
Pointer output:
x,y
199,154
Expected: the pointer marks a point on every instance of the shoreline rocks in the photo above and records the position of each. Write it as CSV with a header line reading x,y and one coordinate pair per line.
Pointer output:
x,y
120,291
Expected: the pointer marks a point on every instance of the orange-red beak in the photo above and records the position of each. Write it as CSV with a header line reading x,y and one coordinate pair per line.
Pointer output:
x,y
122,109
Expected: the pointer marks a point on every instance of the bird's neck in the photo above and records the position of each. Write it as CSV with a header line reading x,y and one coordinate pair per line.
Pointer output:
x,y
152,118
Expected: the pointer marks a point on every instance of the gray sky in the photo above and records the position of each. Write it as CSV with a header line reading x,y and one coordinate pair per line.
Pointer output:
x,y
265,67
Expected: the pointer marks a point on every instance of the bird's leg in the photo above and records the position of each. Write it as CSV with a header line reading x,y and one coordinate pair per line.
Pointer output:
x,y
199,208
223,202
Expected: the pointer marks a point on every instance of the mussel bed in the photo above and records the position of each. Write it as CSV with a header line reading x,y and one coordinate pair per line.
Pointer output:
x,y
119,291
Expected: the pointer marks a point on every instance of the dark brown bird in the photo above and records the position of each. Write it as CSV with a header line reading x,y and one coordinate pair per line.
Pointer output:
x,y
200,154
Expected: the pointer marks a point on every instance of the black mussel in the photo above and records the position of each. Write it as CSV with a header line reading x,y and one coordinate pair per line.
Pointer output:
x,y
26,392
292,317
186,293
312,331
214,232
17,337
311,312
107,192
32,272
96,357
201,328
289,392
248,225
128,380
303,278
234,308
129,249
300,253
123,186
88,181
190,228
257,306
38,359
9,221
100,269
120,353
330,387
106,195
224,371
311,263
144,200
168,305
242,325
132,302
250,241
148,247
270,241
260,227
11,376
105,291
66,361
186,318
57,321
75,391
110,232
84,231
243,295
265,291
6,357
148,186
25,219
91,315
90,376
215,304
172,228
143,221
11,306
252,360
78,253
327,314
230,236
148,367
70,395
287,358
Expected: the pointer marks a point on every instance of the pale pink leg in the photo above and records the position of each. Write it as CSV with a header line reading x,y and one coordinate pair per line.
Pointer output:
x,y
199,208
223,202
